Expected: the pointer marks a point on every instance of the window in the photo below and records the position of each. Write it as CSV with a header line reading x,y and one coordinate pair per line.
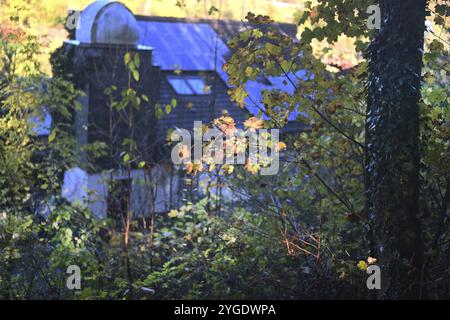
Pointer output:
x,y
198,85
189,85
180,86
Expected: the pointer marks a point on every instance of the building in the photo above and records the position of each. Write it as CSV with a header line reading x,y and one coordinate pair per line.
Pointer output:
x,y
179,60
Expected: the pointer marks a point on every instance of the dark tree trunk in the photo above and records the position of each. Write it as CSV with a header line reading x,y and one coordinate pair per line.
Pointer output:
x,y
392,132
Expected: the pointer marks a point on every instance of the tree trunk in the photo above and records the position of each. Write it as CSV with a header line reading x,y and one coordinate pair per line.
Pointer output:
x,y
392,133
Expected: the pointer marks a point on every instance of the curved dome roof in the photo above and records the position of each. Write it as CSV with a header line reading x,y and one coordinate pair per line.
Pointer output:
x,y
108,22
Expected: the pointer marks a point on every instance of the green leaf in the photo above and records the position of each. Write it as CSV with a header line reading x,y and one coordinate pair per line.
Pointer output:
x,y
52,136
126,158
127,58
141,164
159,111
137,60
135,75
249,71
212,9
78,106
286,65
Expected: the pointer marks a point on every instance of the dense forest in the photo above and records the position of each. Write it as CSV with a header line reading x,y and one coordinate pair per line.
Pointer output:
x,y
363,182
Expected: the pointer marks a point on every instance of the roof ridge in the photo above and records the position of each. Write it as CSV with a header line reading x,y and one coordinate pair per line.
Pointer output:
x,y
141,17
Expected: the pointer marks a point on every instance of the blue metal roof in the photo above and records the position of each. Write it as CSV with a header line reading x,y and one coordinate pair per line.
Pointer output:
x,y
184,46
192,46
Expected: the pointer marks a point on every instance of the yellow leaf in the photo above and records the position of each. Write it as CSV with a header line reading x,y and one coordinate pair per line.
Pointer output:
x,y
252,167
281,146
52,136
228,168
254,123
371,260
362,265
173,213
